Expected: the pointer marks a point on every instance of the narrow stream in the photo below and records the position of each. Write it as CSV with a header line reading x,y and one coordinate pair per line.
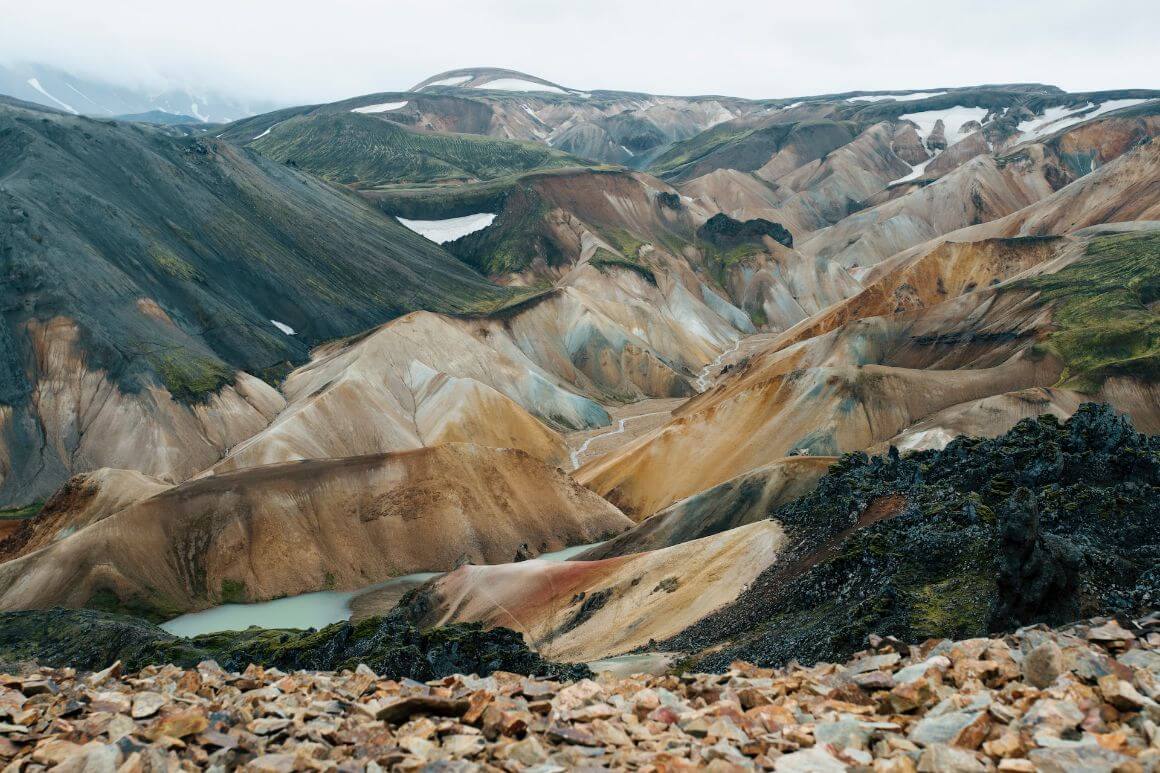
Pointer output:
x,y
702,382
619,429
308,610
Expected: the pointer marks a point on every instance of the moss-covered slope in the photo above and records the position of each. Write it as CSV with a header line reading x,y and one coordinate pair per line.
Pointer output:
x,y
90,640
173,256
366,151
1105,307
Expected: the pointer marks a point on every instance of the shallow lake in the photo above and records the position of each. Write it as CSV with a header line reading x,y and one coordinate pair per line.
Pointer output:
x,y
308,610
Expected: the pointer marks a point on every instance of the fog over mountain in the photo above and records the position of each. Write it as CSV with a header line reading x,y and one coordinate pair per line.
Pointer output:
x,y
293,52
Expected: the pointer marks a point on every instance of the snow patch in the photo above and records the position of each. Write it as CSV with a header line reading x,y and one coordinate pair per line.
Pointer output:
x,y
704,378
263,134
519,84
34,83
1056,118
87,98
915,171
283,327
898,97
934,439
382,107
458,80
443,231
953,119
197,113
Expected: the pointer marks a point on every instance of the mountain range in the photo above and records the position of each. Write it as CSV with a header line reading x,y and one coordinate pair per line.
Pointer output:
x,y
82,95
755,356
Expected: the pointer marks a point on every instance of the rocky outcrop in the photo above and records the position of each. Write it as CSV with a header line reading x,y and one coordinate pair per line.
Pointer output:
x,y
908,146
725,232
92,641
1045,524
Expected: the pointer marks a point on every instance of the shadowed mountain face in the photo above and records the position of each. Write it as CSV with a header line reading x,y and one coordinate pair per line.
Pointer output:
x,y
154,262
494,315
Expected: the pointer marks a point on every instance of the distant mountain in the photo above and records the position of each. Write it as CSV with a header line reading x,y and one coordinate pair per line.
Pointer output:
x,y
79,95
158,117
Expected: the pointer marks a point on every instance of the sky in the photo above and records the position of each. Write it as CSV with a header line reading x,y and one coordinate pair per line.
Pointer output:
x,y
295,51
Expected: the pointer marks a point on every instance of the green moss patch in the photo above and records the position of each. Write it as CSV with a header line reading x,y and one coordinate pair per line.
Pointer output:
x,y
192,378
366,151
21,513
393,646
604,260
1105,307
233,592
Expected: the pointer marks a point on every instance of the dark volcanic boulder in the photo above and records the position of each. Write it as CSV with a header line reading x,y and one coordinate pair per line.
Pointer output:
x,y
90,640
1048,523
725,232
908,145
937,140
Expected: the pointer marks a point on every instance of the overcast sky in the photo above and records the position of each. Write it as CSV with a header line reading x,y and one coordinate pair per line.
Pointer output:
x,y
315,50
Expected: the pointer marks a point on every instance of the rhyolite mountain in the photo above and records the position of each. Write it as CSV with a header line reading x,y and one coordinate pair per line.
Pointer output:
x,y
453,328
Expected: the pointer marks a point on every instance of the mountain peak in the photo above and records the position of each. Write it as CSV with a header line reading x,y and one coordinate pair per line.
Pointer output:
x,y
492,78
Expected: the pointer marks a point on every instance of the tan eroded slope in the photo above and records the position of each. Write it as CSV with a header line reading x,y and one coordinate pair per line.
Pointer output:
x,y
285,529
584,610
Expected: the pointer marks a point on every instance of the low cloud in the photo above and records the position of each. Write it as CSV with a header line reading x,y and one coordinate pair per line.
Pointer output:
x,y
298,51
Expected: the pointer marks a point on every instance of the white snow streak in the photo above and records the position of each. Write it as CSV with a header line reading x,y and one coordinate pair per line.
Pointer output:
x,y
34,83
1056,118
933,439
442,231
915,171
379,108
197,113
458,80
519,84
283,327
898,97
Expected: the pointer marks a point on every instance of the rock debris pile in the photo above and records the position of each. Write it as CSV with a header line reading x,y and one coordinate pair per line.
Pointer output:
x,y
1082,697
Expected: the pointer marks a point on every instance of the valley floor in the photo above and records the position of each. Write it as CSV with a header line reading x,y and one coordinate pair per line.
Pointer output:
x,y
1079,698
634,420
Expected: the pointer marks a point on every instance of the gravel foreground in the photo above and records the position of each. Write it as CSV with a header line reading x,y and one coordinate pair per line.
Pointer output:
x,y
1080,698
